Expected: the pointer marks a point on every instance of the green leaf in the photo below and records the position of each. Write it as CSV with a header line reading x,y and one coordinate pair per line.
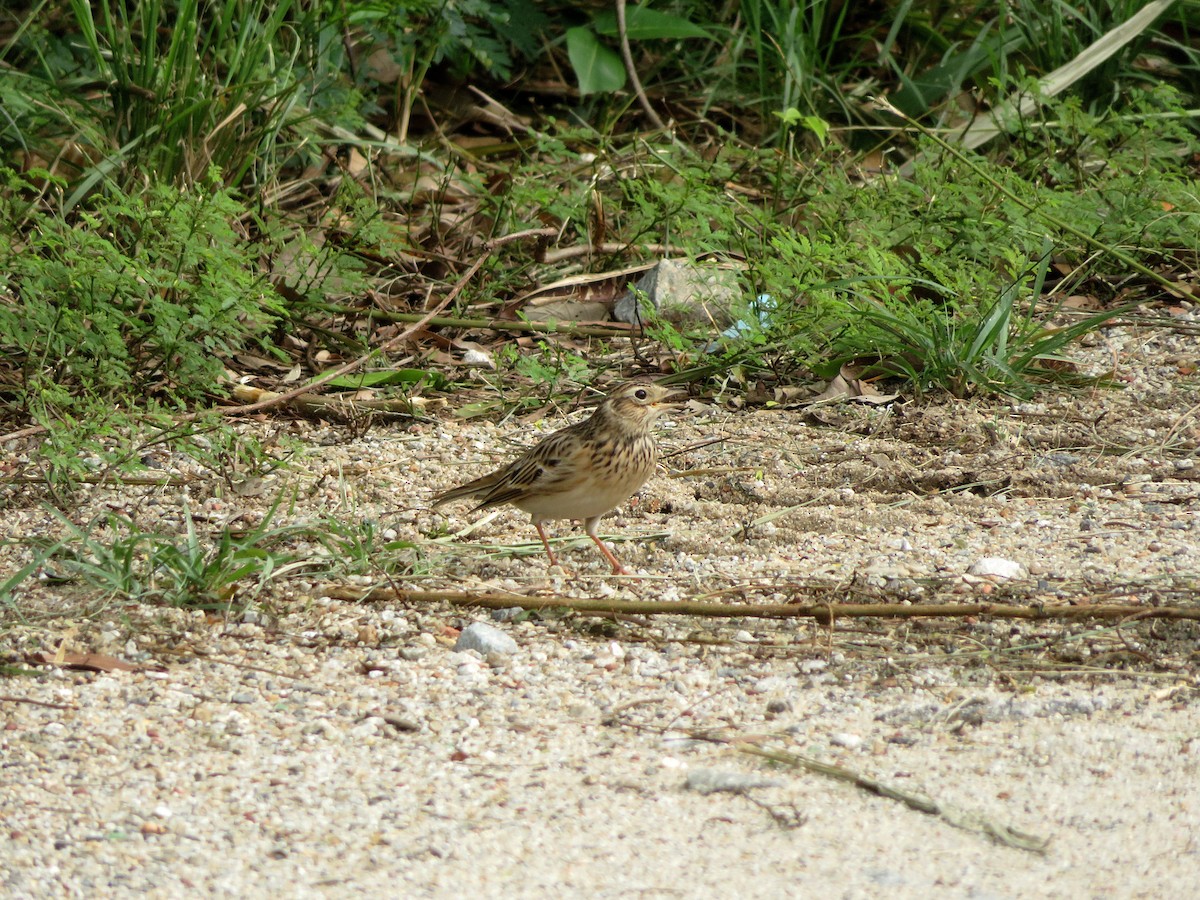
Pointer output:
x,y
643,24
790,117
817,126
385,377
479,408
599,69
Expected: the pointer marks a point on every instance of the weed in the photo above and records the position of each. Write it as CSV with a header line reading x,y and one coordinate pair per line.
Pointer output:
x,y
964,349
112,559
359,548
141,297
418,34
550,366
184,87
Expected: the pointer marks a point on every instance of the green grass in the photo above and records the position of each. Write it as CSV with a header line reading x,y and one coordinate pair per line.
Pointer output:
x,y
113,560
1008,347
172,88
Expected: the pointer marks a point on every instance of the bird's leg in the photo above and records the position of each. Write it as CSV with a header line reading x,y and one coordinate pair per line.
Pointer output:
x,y
546,542
590,526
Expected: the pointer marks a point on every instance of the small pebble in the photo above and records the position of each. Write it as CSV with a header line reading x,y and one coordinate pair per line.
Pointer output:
x,y
484,639
845,739
709,781
996,567
507,615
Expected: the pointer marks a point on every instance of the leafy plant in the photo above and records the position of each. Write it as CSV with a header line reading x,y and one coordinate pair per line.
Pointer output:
x,y
964,350
140,295
549,365
419,34
598,68
113,559
360,548
806,38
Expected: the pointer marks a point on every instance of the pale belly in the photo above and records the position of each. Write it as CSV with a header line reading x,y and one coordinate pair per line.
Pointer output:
x,y
585,498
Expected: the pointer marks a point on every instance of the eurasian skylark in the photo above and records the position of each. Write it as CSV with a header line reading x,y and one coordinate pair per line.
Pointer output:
x,y
582,471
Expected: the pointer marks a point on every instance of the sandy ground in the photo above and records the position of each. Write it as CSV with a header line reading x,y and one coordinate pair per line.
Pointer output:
x,y
308,747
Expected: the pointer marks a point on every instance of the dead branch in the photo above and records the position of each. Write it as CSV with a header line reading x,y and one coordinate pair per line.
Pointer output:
x,y
7,699
22,433
616,329
823,613
604,248
336,407
631,70
959,818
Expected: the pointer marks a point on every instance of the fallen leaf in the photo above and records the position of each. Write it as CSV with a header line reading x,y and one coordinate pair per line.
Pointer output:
x,y
789,394
357,163
848,386
89,662
568,311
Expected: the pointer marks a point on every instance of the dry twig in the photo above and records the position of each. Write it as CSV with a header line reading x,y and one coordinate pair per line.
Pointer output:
x,y
959,818
631,70
7,699
823,613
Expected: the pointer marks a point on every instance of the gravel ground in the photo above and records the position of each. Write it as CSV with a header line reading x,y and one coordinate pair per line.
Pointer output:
x,y
314,747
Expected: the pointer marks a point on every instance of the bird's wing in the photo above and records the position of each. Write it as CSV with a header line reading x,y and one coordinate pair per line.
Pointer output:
x,y
470,489
553,465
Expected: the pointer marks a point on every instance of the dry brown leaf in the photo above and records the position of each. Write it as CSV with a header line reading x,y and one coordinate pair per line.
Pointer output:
x,y
570,311
607,284
383,68
789,394
252,362
89,662
357,163
849,386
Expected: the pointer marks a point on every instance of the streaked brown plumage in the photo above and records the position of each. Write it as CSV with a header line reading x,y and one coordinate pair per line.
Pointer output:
x,y
582,471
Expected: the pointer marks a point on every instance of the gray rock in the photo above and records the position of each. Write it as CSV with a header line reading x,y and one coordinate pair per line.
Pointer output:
x,y
709,781
683,293
484,639
997,567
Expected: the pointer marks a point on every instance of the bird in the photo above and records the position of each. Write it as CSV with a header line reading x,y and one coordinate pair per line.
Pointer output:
x,y
583,471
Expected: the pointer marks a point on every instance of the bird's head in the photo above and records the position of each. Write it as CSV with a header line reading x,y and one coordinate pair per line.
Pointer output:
x,y
634,407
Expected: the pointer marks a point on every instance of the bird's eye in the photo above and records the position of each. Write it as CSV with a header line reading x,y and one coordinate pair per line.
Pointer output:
x,y
640,394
